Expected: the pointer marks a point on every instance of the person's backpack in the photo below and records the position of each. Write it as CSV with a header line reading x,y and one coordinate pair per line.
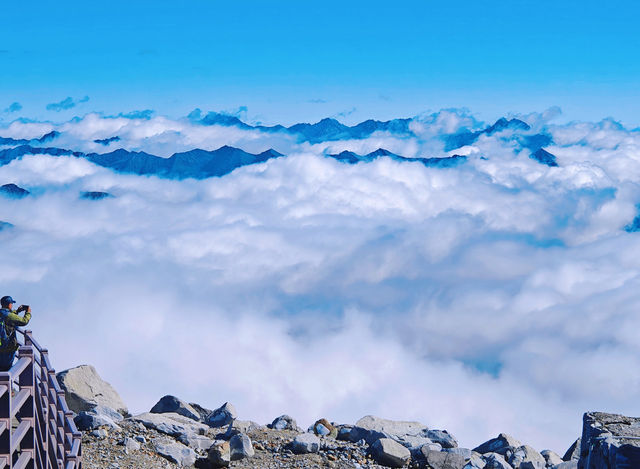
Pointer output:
x,y
6,339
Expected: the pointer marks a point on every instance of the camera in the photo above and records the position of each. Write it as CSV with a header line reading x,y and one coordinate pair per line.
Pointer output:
x,y
22,308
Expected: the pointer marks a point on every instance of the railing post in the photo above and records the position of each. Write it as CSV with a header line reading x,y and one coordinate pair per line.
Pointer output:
x,y
26,380
5,417
44,397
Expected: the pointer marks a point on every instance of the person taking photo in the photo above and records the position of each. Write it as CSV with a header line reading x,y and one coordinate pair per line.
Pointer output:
x,y
9,320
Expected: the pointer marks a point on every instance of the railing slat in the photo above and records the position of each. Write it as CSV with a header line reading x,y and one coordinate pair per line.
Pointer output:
x,y
23,460
18,400
19,434
19,367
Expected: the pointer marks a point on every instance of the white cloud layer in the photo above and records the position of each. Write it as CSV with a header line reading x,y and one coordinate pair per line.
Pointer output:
x,y
498,296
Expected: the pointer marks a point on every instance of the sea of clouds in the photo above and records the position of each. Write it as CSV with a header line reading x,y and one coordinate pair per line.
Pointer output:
x,y
502,295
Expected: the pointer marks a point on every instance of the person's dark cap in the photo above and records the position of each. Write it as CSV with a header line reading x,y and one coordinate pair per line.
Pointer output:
x,y
6,301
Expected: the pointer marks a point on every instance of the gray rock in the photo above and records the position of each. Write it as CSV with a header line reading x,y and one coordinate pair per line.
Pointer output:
x,y
284,422
532,465
416,442
220,454
171,424
84,389
130,445
443,460
172,404
175,452
370,429
573,452
241,426
100,433
495,461
500,445
86,421
323,427
573,464
464,452
140,439
241,447
305,444
203,412
609,441
526,454
344,432
443,437
222,416
390,453
551,457
475,462
197,442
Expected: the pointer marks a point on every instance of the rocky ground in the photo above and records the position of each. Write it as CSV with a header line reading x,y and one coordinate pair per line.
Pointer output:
x,y
179,434
270,446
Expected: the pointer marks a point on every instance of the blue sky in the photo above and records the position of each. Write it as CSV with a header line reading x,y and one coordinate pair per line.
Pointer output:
x,y
291,61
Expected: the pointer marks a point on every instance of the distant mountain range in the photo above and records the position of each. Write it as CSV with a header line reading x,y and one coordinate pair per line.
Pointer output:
x,y
200,164
353,158
44,139
197,163
324,131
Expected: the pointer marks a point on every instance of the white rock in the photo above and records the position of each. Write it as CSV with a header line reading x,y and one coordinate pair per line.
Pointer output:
x,y
390,453
84,389
171,424
175,452
241,447
305,443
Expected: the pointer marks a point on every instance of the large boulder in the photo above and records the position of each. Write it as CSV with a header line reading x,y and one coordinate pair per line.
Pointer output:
x,y
501,444
85,389
240,447
609,441
284,422
171,424
220,454
390,453
197,442
323,427
172,404
526,454
443,437
574,451
98,416
442,460
370,429
305,444
222,416
551,457
495,461
240,426
175,452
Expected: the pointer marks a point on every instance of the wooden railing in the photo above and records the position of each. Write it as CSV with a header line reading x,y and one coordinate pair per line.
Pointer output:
x,y
37,430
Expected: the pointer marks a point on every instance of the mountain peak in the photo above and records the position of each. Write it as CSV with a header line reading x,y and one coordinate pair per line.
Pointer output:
x,y
14,191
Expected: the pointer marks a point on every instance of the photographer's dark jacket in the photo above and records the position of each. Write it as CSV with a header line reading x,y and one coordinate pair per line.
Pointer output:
x,y
9,320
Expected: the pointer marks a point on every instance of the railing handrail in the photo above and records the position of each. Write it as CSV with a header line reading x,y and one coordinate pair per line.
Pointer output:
x,y
37,430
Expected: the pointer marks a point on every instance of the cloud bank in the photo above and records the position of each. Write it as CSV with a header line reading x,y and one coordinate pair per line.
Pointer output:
x,y
500,295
